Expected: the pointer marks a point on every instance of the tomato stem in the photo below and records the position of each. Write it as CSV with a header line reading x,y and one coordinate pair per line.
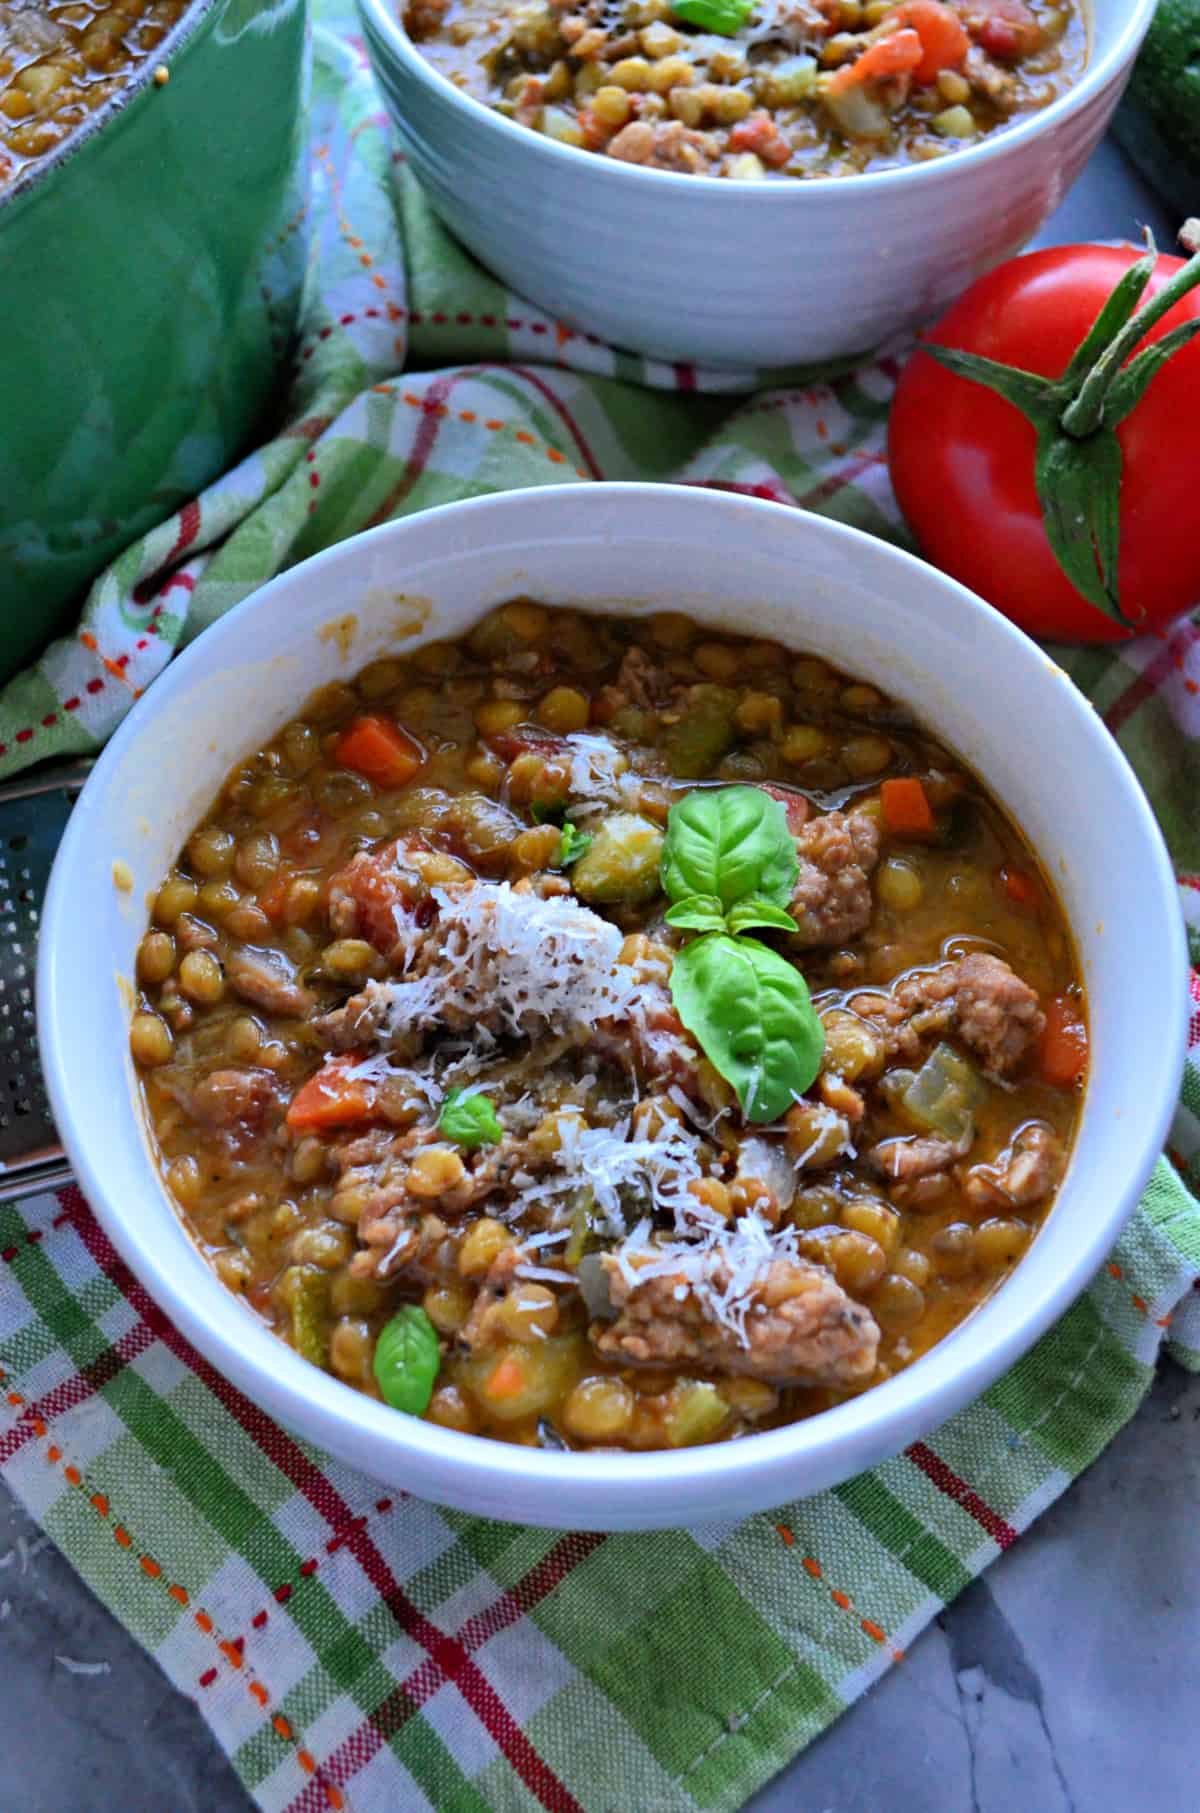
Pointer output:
x,y
1078,462
1085,414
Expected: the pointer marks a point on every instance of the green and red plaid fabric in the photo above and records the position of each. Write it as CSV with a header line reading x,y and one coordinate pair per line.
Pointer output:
x,y
357,1648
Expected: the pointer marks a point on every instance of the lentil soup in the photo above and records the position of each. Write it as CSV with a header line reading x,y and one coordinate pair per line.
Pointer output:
x,y
754,89
607,1033
60,63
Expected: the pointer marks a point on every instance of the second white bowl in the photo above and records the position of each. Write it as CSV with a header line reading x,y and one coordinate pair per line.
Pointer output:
x,y
740,274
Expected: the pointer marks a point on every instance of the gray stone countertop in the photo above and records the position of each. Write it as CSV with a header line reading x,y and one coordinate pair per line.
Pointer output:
x,y
1061,1682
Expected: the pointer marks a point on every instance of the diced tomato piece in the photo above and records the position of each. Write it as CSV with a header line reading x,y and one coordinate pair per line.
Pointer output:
x,y
380,751
595,135
944,41
527,740
1006,29
1019,885
273,898
382,890
899,52
258,1296
1063,1050
606,704
333,1098
760,134
906,808
797,806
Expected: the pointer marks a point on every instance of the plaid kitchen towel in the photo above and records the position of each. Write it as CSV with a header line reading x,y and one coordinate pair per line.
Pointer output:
x,y
356,1648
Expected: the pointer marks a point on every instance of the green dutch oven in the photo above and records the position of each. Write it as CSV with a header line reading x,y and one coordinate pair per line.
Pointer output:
x,y
150,274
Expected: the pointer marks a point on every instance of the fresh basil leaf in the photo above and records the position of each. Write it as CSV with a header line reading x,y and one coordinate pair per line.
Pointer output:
x,y
725,843
407,1358
469,1120
755,911
751,1012
724,16
575,843
699,913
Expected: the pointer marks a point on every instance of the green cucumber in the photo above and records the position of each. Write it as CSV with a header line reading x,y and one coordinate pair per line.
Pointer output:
x,y
1157,124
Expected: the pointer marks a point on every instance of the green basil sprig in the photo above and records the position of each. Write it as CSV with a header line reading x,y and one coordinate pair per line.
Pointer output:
x,y
729,864
469,1120
407,1358
575,843
751,1012
725,845
724,16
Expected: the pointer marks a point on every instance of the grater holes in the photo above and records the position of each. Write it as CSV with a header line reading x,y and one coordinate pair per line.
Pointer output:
x,y
31,824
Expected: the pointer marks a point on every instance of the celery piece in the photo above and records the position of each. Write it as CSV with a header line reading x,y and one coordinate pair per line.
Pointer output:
x,y
705,732
955,122
942,1095
699,1413
308,1290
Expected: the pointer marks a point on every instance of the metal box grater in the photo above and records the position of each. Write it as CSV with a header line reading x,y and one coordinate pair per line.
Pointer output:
x,y
33,816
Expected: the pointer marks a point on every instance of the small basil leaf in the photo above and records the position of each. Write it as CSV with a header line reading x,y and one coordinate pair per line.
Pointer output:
x,y
469,1120
700,913
407,1358
751,1012
575,843
755,911
724,16
727,842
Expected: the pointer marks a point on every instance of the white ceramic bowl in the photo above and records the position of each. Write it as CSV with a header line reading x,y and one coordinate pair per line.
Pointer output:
x,y
740,274
743,565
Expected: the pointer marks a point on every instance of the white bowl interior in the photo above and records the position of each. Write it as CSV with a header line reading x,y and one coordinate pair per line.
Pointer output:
x,y
1115,29
758,568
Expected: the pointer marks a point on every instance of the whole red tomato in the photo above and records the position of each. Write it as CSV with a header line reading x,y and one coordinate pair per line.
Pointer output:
x,y
962,457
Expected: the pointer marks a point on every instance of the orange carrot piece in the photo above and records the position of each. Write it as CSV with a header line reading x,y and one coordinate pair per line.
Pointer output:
x,y
1063,1050
380,751
906,808
332,1098
890,56
1019,885
507,1380
944,40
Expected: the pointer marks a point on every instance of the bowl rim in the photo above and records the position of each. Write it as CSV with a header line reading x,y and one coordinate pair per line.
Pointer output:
x,y
382,24
28,181
622,1486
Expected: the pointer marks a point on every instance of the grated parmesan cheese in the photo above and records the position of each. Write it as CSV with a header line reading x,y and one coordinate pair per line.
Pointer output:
x,y
528,965
719,1265
606,1161
599,772
826,1121
83,1668
379,1069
